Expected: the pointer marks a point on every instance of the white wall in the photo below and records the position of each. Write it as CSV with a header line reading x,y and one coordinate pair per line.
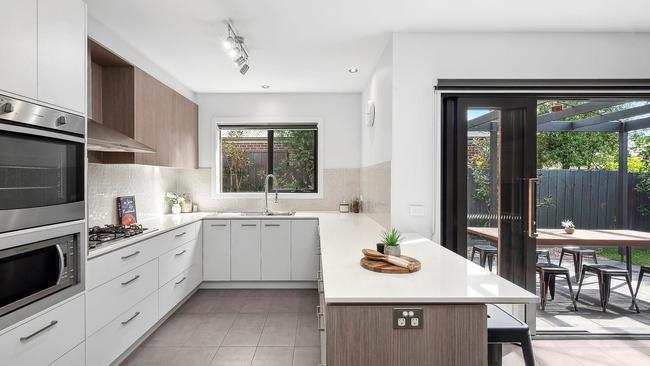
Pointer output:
x,y
376,140
107,38
420,59
340,115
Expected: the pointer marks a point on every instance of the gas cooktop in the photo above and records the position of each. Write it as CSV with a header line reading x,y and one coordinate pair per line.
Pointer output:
x,y
99,236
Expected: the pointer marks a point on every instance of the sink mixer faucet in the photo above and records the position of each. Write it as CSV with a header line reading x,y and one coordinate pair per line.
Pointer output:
x,y
266,192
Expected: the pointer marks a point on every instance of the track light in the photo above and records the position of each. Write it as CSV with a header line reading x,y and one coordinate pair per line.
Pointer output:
x,y
236,49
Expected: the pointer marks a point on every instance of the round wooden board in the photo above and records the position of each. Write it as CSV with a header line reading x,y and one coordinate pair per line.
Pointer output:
x,y
384,267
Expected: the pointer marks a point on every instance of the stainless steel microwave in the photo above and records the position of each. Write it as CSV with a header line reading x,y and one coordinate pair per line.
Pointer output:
x,y
39,269
42,165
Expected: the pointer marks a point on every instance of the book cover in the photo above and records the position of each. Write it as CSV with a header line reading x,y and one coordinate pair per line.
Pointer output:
x,y
126,214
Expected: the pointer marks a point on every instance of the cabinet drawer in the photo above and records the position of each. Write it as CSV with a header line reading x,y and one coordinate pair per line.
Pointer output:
x,y
178,236
177,260
76,357
107,267
175,290
108,343
111,299
45,338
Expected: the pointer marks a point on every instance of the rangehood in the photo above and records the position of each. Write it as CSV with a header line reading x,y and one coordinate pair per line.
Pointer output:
x,y
102,138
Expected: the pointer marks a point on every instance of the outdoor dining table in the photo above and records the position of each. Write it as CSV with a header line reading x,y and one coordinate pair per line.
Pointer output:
x,y
589,238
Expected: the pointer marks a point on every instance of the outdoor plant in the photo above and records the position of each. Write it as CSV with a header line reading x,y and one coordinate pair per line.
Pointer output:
x,y
174,198
391,237
568,224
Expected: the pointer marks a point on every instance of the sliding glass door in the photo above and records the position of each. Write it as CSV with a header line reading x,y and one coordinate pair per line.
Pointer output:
x,y
486,204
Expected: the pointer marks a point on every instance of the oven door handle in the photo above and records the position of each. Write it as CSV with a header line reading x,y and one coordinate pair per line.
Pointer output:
x,y
61,263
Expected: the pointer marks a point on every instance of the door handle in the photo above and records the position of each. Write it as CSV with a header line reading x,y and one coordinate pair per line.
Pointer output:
x,y
52,323
532,207
180,253
267,225
131,318
61,263
220,225
131,255
181,234
131,280
248,225
181,281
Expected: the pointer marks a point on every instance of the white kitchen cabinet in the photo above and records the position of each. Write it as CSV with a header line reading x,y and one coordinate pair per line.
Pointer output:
x,y
178,260
61,52
177,289
45,338
19,42
76,357
245,250
276,250
304,250
216,250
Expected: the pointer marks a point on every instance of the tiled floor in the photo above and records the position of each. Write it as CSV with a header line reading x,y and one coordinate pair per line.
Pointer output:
x,y
584,353
237,327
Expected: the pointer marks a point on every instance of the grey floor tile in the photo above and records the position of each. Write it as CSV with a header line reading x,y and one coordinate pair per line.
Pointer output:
x,y
200,303
307,333
233,356
306,356
191,356
211,330
257,303
151,356
245,331
273,356
228,304
279,330
175,331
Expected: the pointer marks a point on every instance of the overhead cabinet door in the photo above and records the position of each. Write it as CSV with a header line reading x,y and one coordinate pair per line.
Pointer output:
x,y
245,250
276,250
62,53
18,39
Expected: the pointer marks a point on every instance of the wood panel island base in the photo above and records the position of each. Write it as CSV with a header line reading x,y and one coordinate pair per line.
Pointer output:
x,y
450,334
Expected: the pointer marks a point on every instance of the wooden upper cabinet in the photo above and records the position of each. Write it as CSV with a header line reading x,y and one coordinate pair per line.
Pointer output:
x,y
133,102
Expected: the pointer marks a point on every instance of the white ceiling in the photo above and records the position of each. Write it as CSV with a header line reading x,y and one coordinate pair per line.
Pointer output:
x,y
308,45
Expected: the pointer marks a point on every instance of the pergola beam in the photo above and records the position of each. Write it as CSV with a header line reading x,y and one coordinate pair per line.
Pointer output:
x,y
474,123
609,117
575,111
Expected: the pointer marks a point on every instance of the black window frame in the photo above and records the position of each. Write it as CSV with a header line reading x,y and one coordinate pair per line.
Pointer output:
x,y
270,128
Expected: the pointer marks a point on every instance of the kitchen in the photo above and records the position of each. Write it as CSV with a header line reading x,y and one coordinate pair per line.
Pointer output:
x,y
194,186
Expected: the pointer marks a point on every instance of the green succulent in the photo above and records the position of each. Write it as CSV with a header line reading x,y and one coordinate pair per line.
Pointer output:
x,y
391,237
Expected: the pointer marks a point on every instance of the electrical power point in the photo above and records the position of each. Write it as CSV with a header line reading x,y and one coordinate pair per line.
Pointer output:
x,y
408,318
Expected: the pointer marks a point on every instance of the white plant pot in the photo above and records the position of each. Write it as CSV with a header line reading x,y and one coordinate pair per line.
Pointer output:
x,y
176,208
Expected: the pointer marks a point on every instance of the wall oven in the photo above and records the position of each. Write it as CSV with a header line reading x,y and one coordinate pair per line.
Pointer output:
x,y
39,268
42,165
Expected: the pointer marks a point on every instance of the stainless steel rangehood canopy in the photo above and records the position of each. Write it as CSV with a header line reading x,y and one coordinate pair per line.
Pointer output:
x,y
102,138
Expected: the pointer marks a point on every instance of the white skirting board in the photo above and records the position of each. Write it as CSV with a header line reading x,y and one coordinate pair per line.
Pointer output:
x,y
258,284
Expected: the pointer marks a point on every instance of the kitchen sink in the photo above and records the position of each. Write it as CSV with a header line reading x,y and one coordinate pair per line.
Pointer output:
x,y
270,213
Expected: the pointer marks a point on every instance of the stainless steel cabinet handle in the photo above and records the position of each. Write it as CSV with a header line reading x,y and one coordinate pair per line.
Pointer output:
x,y
181,281
181,252
131,255
319,316
131,318
221,225
248,224
52,323
181,234
271,224
532,207
131,280
320,287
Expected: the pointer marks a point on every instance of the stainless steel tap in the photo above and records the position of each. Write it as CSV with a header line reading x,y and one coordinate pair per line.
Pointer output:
x,y
266,192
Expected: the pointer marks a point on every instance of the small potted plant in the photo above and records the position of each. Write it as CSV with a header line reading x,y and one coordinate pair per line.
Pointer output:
x,y
568,226
391,240
176,201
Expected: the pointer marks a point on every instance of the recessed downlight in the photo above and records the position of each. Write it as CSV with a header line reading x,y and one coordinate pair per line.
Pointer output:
x,y
266,86
353,70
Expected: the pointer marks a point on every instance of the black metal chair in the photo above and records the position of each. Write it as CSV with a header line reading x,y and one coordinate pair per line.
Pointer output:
x,y
542,253
605,273
547,273
486,252
578,255
505,328
642,271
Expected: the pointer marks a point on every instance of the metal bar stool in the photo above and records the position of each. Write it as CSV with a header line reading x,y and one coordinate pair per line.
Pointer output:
x,y
486,252
547,273
578,255
505,328
605,273
642,271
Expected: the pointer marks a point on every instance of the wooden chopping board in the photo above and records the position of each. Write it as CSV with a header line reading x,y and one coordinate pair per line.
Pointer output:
x,y
384,267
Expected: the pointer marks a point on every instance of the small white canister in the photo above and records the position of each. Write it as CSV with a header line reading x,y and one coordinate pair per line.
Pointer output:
x,y
344,207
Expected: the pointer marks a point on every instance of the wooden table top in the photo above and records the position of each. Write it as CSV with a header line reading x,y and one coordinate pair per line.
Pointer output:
x,y
580,236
